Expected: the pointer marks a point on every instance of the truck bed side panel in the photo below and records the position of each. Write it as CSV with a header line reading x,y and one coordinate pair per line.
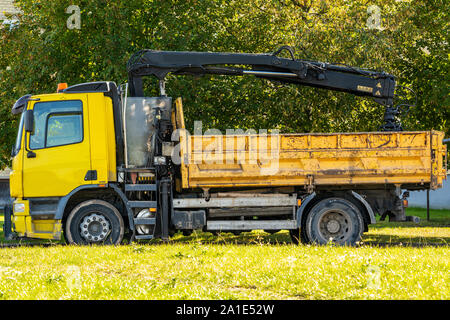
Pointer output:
x,y
319,159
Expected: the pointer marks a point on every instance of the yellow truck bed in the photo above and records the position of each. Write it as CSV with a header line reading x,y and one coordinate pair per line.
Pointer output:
x,y
328,159
314,159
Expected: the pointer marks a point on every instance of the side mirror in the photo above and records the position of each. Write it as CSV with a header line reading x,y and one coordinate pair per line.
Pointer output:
x,y
28,125
28,121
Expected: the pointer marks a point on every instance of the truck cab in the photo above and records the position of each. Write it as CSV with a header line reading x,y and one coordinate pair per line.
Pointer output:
x,y
70,146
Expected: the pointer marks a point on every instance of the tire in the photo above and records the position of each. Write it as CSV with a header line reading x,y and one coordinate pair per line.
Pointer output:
x,y
334,219
94,222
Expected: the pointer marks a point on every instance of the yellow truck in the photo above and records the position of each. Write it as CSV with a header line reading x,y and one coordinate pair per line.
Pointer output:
x,y
98,163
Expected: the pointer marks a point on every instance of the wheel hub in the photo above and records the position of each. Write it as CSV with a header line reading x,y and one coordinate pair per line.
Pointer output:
x,y
94,227
335,225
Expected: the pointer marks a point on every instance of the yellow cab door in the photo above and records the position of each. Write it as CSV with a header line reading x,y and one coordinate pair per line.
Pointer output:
x,y
58,156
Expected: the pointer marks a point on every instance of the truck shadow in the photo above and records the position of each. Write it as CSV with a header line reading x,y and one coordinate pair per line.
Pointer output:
x,y
437,223
283,238
396,241
258,238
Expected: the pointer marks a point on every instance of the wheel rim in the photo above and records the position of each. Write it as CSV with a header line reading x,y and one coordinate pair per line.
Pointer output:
x,y
335,226
95,227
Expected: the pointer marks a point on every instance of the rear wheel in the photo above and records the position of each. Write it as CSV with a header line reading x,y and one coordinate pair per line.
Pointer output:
x,y
94,222
334,219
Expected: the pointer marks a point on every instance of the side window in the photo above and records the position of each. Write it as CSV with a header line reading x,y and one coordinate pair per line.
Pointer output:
x,y
64,129
57,123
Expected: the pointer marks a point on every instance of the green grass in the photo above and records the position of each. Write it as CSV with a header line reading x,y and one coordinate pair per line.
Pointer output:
x,y
255,265
435,231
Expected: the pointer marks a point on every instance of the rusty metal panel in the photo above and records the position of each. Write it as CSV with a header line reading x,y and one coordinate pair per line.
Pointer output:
x,y
319,159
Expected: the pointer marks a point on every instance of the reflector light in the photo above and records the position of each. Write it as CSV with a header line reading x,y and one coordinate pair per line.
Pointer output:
x,y
61,87
405,203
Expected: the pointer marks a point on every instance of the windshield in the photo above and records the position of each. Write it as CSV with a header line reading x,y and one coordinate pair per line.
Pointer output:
x,y
19,136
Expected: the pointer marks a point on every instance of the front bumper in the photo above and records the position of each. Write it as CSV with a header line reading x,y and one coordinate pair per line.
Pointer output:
x,y
25,224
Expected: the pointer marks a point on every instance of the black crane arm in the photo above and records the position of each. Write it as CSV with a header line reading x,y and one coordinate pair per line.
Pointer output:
x,y
378,85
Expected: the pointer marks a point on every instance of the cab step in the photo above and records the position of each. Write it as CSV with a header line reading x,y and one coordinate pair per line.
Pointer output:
x,y
144,221
140,187
142,204
143,237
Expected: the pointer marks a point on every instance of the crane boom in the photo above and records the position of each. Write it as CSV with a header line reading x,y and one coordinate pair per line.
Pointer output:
x,y
378,85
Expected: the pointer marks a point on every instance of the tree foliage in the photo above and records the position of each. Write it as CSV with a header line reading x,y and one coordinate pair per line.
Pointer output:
x,y
410,41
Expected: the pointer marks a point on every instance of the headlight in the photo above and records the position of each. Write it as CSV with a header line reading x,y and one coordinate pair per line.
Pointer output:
x,y
19,207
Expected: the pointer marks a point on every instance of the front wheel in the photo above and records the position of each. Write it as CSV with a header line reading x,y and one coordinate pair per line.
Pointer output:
x,y
94,222
334,220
